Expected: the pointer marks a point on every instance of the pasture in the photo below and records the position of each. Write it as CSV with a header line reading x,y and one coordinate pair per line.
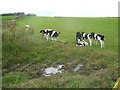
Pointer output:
x,y
69,26
27,48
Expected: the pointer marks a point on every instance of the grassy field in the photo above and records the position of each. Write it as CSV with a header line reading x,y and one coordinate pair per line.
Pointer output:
x,y
23,46
69,26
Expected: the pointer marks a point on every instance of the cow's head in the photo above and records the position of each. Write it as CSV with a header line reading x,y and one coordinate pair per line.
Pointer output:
x,y
42,31
58,33
92,34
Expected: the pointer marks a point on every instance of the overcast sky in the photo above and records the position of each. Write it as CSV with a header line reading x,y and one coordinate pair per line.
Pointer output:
x,y
74,8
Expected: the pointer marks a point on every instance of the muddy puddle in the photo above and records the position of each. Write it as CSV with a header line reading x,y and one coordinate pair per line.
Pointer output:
x,y
78,67
60,69
35,70
53,70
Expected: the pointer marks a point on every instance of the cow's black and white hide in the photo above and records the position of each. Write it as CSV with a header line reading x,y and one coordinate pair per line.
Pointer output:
x,y
87,36
82,43
50,34
53,34
98,37
78,40
45,33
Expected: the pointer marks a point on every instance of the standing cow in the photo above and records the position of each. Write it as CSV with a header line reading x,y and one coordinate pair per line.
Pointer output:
x,y
87,36
98,37
50,34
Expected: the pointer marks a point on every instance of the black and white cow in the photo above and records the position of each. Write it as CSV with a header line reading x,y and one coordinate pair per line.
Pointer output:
x,y
98,37
45,33
87,36
78,40
50,34
82,43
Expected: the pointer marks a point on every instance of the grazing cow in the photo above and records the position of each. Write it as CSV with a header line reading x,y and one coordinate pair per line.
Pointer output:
x,y
50,33
87,36
53,34
78,40
45,33
98,37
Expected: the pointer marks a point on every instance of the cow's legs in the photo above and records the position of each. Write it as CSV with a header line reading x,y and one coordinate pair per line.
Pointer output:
x,y
55,39
47,37
96,42
90,40
101,43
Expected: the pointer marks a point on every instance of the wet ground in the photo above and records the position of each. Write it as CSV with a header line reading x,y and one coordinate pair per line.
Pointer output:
x,y
35,70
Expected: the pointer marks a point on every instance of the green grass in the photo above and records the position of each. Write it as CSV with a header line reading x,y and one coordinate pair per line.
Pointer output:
x,y
8,17
11,79
99,65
